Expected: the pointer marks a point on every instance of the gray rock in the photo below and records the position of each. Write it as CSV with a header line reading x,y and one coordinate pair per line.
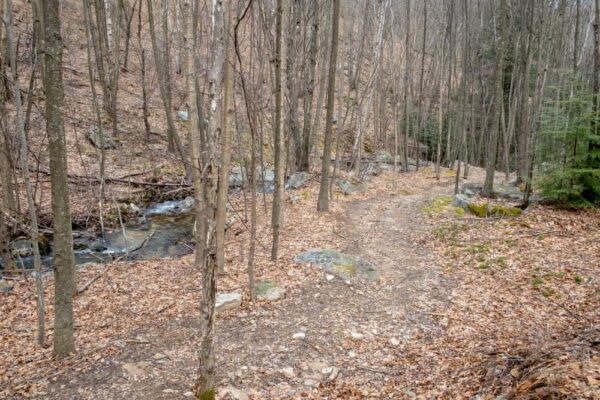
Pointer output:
x,y
295,198
228,301
344,266
266,180
22,248
93,134
462,201
4,286
471,188
298,180
348,187
183,115
383,156
268,290
237,177
369,170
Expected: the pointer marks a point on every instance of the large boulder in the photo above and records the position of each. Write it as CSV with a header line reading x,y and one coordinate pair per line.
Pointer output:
x,y
344,266
298,180
471,188
94,134
369,170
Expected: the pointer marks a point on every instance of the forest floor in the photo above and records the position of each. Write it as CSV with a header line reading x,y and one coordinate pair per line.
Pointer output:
x,y
466,307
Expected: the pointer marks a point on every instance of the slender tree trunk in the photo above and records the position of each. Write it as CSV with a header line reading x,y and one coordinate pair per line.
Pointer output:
x,y
205,383
145,112
523,134
64,261
488,187
323,201
279,136
173,136
310,87
37,262
226,134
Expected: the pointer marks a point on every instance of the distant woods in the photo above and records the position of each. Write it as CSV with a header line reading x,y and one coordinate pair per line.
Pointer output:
x,y
287,86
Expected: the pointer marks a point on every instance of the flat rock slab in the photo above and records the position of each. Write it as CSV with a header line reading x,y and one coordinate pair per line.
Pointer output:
x,y
227,301
348,187
342,265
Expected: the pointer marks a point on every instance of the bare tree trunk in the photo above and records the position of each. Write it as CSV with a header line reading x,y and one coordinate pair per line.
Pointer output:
x,y
525,59
323,201
37,262
173,136
292,67
279,137
226,134
421,78
310,87
205,383
64,261
127,21
145,111
488,187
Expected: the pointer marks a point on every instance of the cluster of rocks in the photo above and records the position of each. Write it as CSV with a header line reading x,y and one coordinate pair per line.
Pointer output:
x,y
266,179
465,200
266,290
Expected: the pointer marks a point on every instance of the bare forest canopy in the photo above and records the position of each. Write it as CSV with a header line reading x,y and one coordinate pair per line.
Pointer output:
x,y
134,129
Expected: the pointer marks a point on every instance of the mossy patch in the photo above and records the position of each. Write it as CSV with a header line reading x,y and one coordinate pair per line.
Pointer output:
x,y
499,210
481,210
345,271
486,210
440,204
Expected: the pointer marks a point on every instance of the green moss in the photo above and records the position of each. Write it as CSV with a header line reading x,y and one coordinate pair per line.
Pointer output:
x,y
346,270
499,210
208,395
578,279
441,201
536,282
481,210
459,211
440,204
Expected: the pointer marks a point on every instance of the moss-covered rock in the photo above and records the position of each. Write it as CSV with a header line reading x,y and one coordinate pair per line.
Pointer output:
x,y
268,290
500,210
486,210
481,210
